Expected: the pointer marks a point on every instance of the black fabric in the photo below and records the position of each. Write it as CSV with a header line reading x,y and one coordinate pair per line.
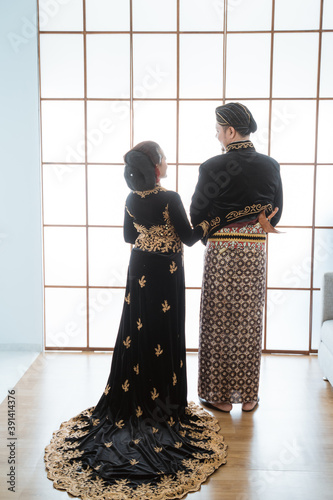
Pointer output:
x,y
238,116
142,439
240,181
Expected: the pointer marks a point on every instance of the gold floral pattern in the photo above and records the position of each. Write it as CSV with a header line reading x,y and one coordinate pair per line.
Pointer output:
x,y
136,369
174,379
128,298
82,482
178,444
125,386
249,210
108,445
154,430
158,350
156,190
171,421
95,421
134,461
165,306
136,441
107,389
205,227
142,281
138,411
181,363
154,394
159,238
139,324
173,267
127,342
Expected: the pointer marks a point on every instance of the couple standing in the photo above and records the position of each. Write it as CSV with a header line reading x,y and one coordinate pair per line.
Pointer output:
x,y
143,440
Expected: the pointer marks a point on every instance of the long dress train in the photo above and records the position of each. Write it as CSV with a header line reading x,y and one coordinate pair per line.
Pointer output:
x,y
142,440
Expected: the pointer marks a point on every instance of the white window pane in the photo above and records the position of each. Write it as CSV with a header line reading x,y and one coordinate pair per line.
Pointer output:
x,y
290,144
63,131
324,205
66,317
328,15
156,121
326,76
239,67
323,255
108,66
242,15
61,60
288,320
154,15
295,211
194,259
108,131
107,192
200,72
317,314
201,15
170,181
260,112
107,15
108,257
65,255
154,66
289,259
297,15
325,132
192,318
61,16
295,61
197,141
187,180
105,308
64,194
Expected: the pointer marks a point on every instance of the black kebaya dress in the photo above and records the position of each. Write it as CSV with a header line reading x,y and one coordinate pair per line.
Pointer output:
x,y
142,440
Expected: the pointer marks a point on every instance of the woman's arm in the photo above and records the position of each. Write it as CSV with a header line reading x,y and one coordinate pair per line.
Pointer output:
x,y
179,219
130,233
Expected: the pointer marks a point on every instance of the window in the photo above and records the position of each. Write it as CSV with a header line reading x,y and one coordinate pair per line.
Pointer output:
x,y
116,73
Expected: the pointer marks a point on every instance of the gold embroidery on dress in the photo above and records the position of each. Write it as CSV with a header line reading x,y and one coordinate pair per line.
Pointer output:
x,y
127,342
182,433
74,476
125,385
165,306
158,350
156,189
128,298
154,394
107,388
136,369
133,461
108,445
154,430
253,209
178,444
138,411
174,379
139,323
142,281
136,441
171,422
95,421
162,238
181,363
173,267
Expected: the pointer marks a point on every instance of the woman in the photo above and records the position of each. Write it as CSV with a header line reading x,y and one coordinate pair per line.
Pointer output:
x,y
236,190
142,440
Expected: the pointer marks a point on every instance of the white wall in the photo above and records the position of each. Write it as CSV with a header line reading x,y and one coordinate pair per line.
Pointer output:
x,y
21,292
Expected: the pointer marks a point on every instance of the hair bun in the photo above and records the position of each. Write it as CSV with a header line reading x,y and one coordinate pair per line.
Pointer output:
x,y
253,125
139,171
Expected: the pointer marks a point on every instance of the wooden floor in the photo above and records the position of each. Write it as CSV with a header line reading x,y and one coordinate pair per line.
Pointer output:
x,y
281,451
